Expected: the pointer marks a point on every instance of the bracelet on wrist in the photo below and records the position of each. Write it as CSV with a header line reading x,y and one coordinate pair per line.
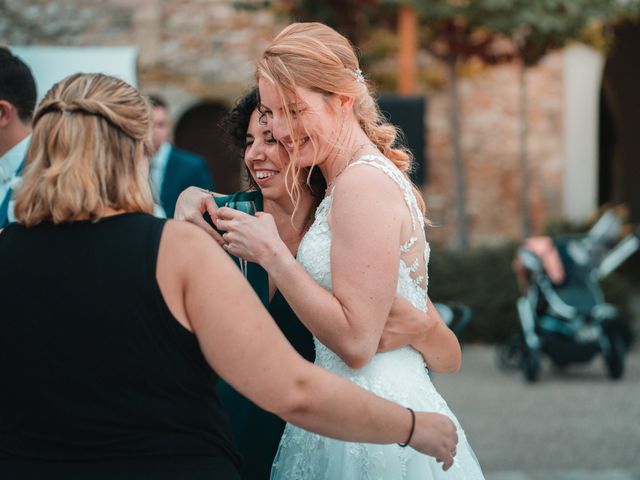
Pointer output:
x,y
413,428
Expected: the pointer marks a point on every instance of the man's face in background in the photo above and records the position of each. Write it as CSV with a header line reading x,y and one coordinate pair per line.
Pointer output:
x,y
161,129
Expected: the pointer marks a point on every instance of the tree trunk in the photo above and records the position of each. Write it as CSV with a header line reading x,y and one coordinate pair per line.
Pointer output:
x,y
524,158
462,237
407,47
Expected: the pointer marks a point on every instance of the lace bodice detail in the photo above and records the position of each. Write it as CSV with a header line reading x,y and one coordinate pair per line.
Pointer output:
x,y
314,252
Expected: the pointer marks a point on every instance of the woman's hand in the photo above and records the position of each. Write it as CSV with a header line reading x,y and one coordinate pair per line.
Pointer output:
x,y
427,333
192,204
435,435
254,238
406,325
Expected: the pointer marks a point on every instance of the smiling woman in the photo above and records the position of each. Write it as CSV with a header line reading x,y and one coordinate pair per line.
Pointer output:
x,y
265,162
365,250
256,431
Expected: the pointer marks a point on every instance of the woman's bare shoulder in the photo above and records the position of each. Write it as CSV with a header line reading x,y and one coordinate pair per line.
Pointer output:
x,y
184,239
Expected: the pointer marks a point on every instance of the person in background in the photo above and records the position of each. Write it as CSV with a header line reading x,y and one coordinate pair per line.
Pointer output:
x,y
116,325
17,102
172,169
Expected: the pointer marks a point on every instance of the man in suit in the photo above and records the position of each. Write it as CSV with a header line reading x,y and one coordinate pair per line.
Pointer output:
x,y
172,170
17,103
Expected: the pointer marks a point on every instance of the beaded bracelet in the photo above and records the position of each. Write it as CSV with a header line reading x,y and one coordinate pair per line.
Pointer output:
x,y
413,427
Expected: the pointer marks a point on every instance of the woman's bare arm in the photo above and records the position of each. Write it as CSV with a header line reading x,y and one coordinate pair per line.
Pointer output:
x,y
208,295
366,219
427,333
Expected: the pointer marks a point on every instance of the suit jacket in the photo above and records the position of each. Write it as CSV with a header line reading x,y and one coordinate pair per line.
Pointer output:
x,y
4,210
6,202
184,169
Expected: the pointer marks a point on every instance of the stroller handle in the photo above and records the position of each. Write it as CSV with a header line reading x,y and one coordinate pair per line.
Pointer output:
x,y
617,256
530,260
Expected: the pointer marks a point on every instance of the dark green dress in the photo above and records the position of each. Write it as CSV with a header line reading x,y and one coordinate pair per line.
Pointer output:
x,y
256,431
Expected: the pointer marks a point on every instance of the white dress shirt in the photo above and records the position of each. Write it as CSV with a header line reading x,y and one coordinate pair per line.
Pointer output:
x,y
9,164
157,168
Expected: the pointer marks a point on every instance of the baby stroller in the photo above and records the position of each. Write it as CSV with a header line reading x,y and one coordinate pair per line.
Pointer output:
x,y
562,312
455,315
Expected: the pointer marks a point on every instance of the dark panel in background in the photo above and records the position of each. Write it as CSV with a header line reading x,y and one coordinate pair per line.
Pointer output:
x,y
200,130
408,114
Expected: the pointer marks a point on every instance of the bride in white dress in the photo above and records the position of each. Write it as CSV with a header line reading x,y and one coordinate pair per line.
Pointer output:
x,y
366,246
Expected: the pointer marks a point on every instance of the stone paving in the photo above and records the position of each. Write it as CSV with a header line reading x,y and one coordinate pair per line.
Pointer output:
x,y
567,475
571,425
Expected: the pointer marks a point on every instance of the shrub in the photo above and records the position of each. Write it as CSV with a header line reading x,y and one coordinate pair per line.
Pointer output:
x,y
482,279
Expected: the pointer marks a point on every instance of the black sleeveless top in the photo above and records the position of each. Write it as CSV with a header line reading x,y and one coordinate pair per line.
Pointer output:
x,y
97,374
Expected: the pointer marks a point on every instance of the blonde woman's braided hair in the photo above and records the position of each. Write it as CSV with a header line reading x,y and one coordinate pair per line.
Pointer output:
x,y
90,140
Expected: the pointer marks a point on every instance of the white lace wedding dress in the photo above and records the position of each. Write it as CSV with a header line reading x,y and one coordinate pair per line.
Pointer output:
x,y
400,375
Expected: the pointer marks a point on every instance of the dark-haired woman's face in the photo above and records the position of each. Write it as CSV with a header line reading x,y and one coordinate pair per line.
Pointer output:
x,y
266,160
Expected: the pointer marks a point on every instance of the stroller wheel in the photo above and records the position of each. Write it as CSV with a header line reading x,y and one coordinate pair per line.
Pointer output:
x,y
509,355
614,355
531,365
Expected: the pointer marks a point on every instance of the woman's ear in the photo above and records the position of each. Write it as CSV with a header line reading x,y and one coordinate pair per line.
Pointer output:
x,y
7,111
345,103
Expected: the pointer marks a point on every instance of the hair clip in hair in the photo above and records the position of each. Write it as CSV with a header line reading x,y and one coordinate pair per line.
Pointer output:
x,y
359,76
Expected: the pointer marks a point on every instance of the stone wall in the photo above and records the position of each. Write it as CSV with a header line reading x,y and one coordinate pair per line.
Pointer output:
x,y
188,50
490,147
191,50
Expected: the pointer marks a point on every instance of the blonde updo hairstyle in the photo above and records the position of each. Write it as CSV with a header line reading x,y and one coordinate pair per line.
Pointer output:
x,y
90,138
316,57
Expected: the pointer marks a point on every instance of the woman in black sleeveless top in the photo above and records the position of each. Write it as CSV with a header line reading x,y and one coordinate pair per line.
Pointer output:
x,y
115,325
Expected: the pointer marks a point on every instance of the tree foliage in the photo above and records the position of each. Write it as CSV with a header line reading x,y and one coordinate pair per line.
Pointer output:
x,y
539,26
468,27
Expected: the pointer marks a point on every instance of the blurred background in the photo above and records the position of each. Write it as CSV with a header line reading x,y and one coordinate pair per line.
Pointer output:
x,y
524,118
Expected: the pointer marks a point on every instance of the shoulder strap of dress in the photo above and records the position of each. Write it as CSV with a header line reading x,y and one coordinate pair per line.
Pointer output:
x,y
393,172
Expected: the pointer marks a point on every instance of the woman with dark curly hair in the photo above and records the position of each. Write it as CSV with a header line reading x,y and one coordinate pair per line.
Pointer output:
x,y
256,431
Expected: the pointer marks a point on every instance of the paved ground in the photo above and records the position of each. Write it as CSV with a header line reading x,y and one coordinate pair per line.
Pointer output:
x,y
567,475
574,425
